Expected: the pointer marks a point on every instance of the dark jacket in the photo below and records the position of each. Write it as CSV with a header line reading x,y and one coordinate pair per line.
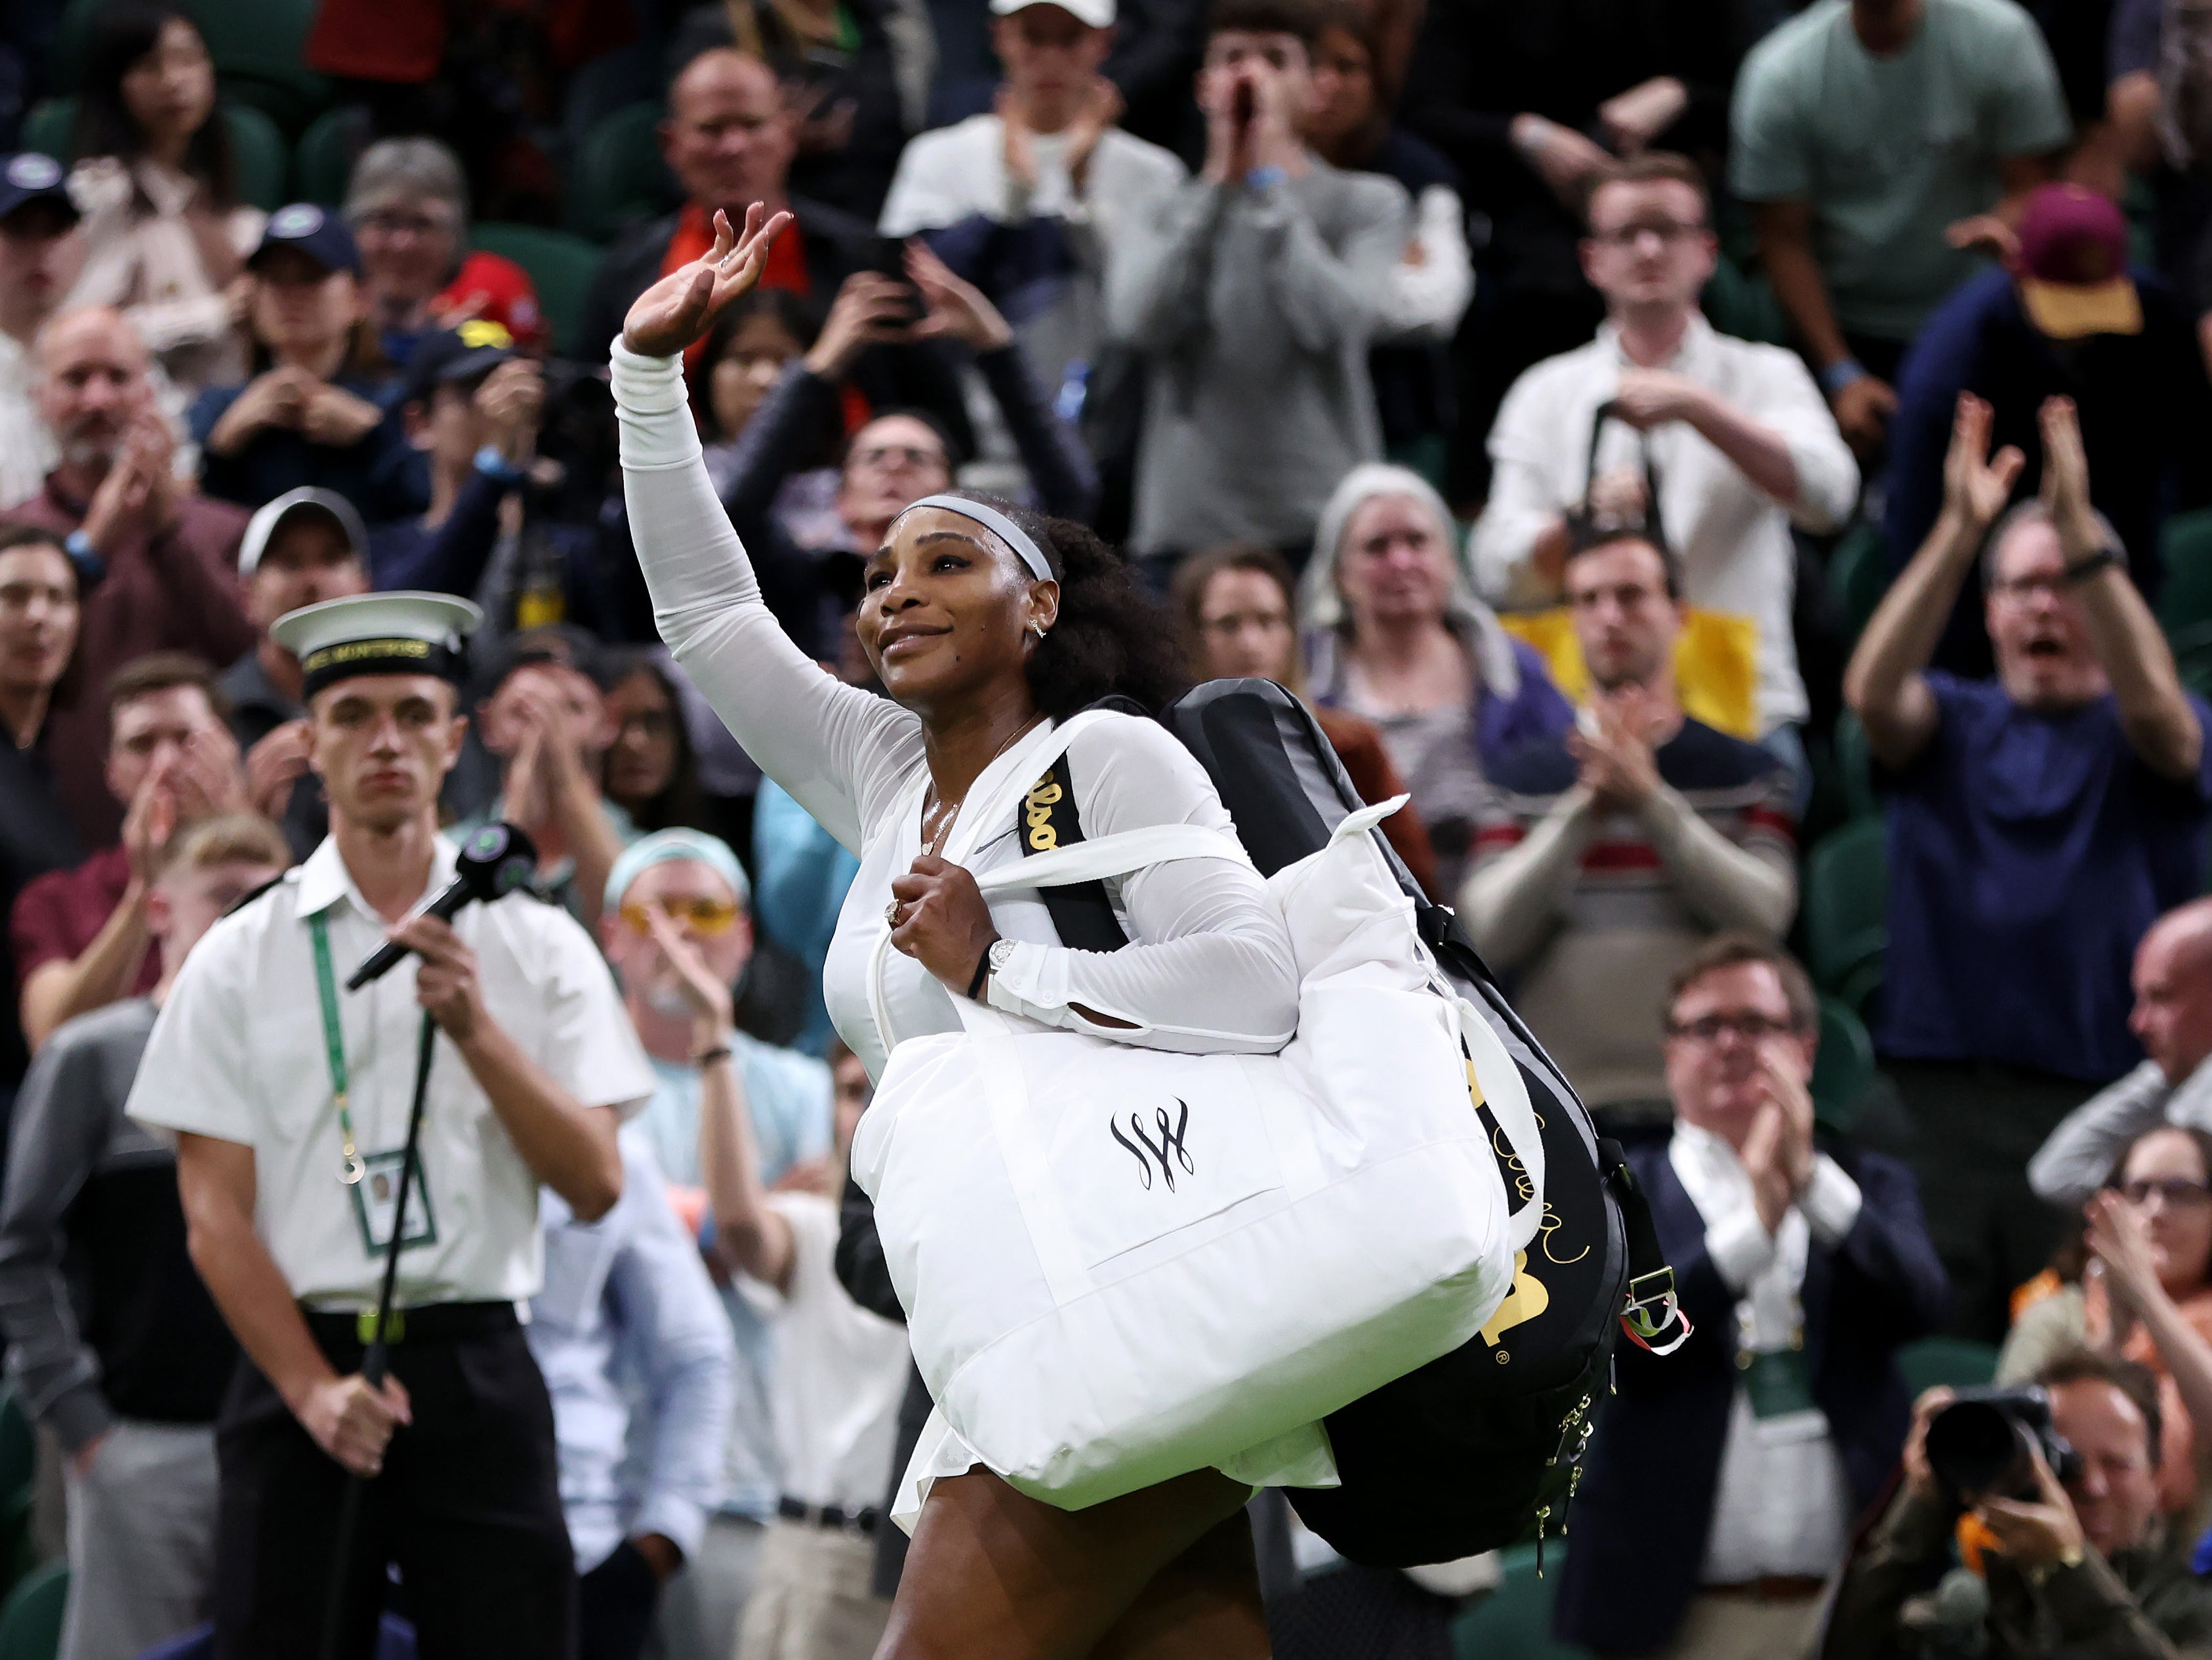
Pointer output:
x,y
836,245
1480,63
382,474
1645,1512
2142,1605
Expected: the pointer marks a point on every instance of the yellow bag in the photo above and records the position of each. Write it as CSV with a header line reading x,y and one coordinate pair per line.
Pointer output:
x,y
1715,663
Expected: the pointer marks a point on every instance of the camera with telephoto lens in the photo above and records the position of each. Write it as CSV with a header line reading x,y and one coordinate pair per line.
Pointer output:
x,y
1977,1446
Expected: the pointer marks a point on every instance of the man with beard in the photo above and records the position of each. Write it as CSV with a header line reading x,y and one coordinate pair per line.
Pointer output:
x,y
155,561
2039,824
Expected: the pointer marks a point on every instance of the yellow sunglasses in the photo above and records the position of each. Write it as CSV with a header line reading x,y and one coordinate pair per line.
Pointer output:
x,y
706,916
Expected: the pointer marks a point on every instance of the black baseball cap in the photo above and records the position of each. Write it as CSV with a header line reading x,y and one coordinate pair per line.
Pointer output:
x,y
467,353
565,645
322,236
27,177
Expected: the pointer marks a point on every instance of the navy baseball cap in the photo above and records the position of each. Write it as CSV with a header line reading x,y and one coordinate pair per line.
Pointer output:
x,y
27,177
322,236
446,356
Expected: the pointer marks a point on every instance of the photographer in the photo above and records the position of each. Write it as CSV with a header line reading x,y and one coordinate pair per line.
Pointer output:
x,y
2079,1564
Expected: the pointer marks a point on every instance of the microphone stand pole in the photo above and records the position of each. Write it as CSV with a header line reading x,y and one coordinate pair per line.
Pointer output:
x,y
375,1359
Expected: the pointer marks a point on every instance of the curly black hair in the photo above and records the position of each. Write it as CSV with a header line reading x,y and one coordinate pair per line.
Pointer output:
x,y
1111,639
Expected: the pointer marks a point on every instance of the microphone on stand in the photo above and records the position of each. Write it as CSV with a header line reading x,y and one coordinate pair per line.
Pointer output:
x,y
495,861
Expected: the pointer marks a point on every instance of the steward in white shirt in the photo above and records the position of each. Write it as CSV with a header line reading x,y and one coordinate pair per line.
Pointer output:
x,y
1722,1479
290,1103
1738,431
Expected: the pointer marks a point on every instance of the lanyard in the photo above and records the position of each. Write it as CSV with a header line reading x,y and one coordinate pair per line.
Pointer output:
x,y
334,1045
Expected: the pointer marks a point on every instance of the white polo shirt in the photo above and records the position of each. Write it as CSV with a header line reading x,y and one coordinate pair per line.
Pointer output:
x,y
238,1054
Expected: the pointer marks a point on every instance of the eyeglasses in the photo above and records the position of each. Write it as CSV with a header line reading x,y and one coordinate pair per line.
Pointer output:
x,y
914,455
1669,231
706,916
2021,587
388,221
2178,1192
1752,1028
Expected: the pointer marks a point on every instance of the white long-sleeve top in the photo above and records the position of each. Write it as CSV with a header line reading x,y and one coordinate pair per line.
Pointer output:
x,y
1209,967
1732,537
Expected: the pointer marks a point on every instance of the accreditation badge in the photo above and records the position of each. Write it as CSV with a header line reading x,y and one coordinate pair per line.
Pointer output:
x,y
376,1204
1779,1383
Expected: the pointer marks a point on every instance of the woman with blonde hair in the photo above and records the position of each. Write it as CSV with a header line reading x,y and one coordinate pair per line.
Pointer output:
x,y
1396,636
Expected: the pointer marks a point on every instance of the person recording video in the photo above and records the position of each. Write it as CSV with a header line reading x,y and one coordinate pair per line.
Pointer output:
x,y
2027,1523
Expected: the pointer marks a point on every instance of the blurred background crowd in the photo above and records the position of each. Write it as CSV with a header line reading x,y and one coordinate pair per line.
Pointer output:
x,y
1744,469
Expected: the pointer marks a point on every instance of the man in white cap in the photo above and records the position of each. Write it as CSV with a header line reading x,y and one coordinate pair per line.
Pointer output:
x,y
1040,181
307,546
290,1103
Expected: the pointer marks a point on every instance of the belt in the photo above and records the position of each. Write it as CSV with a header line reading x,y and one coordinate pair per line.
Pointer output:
x,y
434,1322
862,1521
1769,1588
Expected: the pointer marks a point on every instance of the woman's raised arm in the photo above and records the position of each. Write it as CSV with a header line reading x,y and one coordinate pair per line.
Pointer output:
x,y
836,749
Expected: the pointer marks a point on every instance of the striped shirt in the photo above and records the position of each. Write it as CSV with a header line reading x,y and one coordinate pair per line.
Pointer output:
x,y
1630,895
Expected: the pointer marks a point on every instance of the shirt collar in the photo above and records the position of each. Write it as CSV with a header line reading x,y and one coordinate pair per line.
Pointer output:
x,y
1689,353
324,880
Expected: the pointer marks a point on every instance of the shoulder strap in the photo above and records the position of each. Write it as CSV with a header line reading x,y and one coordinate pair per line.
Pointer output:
x,y
1082,916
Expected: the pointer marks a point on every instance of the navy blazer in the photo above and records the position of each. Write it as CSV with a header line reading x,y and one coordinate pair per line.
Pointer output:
x,y
1640,1521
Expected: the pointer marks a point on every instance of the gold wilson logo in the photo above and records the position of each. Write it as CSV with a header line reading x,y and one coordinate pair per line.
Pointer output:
x,y
1037,814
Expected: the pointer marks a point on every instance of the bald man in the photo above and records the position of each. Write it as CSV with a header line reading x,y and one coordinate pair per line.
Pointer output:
x,y
2173,1020
729,137
156,561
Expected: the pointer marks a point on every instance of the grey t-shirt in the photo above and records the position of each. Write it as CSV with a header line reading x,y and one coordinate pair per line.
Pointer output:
x,y
1890,151
1254,308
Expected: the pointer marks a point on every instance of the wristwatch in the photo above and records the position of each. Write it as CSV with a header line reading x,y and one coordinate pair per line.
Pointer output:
x,y
994,958
90,567
2082,569
1840,374
492,462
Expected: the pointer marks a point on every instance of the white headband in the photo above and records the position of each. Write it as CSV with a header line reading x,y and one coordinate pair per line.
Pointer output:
x,y
991,519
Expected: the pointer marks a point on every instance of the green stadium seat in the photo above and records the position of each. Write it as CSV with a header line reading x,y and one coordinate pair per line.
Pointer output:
x,y
1845,911
254,141
30,1619
323,160
1858,574
1842,1069
1738,303
1957,1361
259,48
1514,1622
561,265
2186,548
2192,656
619,180
1855,767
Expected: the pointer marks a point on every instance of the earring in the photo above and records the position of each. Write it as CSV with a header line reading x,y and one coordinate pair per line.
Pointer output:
x,y
1038,629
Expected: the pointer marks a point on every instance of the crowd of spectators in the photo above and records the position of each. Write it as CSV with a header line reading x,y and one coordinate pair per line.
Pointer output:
x,y
1595,409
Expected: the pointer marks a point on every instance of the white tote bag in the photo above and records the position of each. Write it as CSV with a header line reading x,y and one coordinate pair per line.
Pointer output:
x,y
1121,1264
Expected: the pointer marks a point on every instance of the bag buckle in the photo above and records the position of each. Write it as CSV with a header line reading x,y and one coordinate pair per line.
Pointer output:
x,y
1651,1316
395,1326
